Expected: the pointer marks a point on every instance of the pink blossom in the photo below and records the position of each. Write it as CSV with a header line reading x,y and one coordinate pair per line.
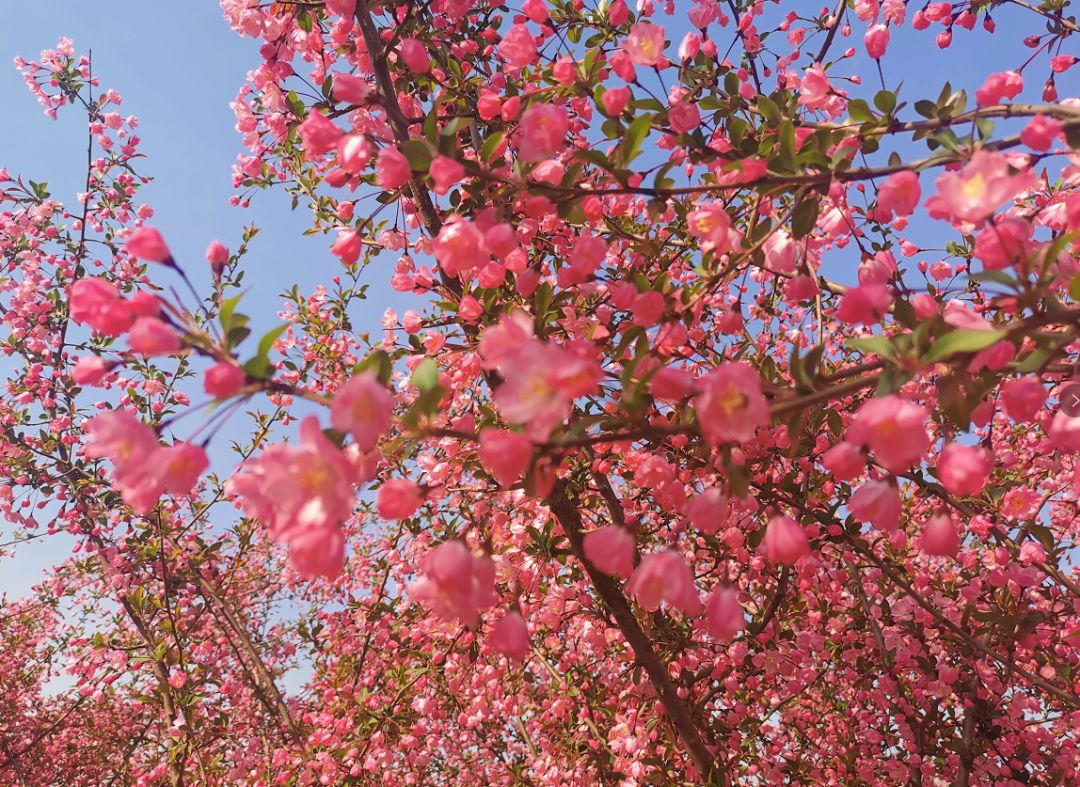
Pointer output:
x,y
1023,398
1064,432
506,455
317,552
981,187
610,549
398,498
939,536
510,636
999,86
780,253
1040,132
513,333
785,541
362,407
645,44
348,246
724,615
500,239
541,132
964,469
318,135
958,315
445,172
518,48
217,256
1061,63
146,243
844,461
866,304
689,46
354,153
1020,503
876,41
150,336
664,576
671,384
414,54
296,489
924,305
877,502
120,437
816,92
711,224
900,193
730,406
344,8
1032,552
878,269
144,304
351,88
89,370
97,303
1003,243
994,357
683,117
541,380
614,100
708,510
180,466
536,10
459,247
224,379
894,429
132,448
456,583
588,254
618,12
392,168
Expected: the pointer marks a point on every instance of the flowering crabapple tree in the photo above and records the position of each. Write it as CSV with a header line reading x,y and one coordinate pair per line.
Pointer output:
x,y
724,442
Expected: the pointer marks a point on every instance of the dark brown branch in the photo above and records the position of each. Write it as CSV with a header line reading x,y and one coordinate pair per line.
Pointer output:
x,y
678,711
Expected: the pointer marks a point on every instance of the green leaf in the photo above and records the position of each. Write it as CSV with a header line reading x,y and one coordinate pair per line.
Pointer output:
x,y
885,101
1043,535
378,363
237,333
927,109
426,404
769,110
266,343
593,157
962,342
490,145
259,366
1033,361
804,217
418,152
1074,287
1072,136
860,111
879,345
226,313
635,136
426,375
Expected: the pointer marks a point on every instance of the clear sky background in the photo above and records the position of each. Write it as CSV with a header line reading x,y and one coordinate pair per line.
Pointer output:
x,y
178,65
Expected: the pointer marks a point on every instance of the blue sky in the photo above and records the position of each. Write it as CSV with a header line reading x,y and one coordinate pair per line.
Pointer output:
x,y
179,65
177,68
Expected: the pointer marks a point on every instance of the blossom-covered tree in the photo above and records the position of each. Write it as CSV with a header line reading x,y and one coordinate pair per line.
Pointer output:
x,y
728,440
